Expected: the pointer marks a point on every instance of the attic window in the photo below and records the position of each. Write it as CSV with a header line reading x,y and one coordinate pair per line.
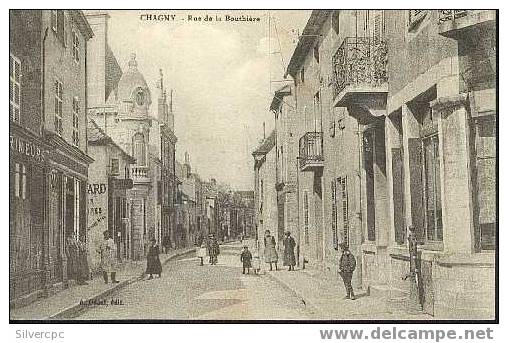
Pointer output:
x,y
316,53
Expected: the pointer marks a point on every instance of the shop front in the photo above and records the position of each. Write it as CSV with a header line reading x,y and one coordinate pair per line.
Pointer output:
x,y
67,206
27,194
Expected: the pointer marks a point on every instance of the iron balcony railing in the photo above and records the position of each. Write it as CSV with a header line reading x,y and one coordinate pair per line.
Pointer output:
x,y
360,61
448,15
311,150
140,174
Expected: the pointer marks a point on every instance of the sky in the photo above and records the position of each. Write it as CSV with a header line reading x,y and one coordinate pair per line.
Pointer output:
x,y
220,73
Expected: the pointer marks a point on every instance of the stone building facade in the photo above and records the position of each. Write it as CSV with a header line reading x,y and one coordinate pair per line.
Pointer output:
x,y
108,205
396,120
286,164
48,147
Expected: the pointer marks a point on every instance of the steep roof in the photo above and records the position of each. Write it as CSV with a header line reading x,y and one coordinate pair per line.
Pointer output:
x,y
266,145
307,40
96,136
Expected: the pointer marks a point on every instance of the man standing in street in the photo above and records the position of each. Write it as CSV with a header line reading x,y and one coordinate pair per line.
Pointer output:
x,y
347,265
108,258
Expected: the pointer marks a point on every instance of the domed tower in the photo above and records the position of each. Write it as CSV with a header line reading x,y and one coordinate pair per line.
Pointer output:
x,y
133,93
130,128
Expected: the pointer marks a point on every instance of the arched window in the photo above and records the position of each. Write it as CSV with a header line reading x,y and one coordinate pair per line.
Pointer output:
x,y
139,149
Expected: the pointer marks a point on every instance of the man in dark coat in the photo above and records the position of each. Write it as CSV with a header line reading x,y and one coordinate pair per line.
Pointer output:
x,y
213,249
347,265
289,251
153,263
246,258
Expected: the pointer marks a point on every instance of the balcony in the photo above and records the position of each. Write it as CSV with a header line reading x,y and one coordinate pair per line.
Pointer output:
x,y
359,70
311,152
140,174
459,23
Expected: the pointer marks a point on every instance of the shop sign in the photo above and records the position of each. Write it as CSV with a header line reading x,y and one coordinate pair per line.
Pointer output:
x,y
26,147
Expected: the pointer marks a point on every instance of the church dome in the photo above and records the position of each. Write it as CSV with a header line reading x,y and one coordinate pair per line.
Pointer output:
x,y
132,85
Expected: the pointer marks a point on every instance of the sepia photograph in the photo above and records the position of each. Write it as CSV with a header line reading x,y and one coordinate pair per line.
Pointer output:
x,y
253,166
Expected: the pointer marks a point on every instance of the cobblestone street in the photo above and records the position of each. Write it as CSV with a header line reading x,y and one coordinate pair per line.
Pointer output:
x,y
189,291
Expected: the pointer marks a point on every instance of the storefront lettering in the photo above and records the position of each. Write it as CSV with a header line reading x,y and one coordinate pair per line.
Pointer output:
x,y
26,148
96,222
96,188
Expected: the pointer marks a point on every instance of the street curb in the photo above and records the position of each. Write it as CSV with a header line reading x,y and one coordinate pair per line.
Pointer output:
x,y
308,304
73,310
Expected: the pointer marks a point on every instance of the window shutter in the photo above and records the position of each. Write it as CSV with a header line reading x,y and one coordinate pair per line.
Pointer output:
x,y
334,213
416,186
398,196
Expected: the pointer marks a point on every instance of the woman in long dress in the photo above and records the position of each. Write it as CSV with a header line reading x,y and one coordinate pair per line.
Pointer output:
x,y
271,256
153,263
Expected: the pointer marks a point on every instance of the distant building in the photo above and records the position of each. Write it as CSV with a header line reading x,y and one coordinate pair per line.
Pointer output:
x,y
283,106
265,196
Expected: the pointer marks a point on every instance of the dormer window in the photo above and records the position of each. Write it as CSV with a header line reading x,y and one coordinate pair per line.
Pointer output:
x,y
140,97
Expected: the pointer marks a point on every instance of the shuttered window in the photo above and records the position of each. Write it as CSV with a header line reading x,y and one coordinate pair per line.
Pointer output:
x,y
431,178
14,88
58,104
334,213
306,216
344,206
368,160
75,121
139,150
484,131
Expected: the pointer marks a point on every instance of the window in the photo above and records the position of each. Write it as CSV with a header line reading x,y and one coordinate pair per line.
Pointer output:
x,y
54,15
344,205
14,88
376,26
316,53
139,149
335,237
398,181
302,75
431,179
77,194
20,181
484,180
16,180
75,46
317,112
335,21
58,101
75,121
58,24
368,160
115,166
306,216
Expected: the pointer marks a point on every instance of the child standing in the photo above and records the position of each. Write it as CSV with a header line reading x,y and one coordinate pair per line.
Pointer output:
x,y
201,253
256,263
246,258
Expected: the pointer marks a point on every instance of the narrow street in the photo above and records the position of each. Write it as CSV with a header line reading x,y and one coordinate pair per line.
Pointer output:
x,y
189,291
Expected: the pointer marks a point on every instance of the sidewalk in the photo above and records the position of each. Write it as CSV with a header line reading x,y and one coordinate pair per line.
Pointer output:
x,y
324,297
66,303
